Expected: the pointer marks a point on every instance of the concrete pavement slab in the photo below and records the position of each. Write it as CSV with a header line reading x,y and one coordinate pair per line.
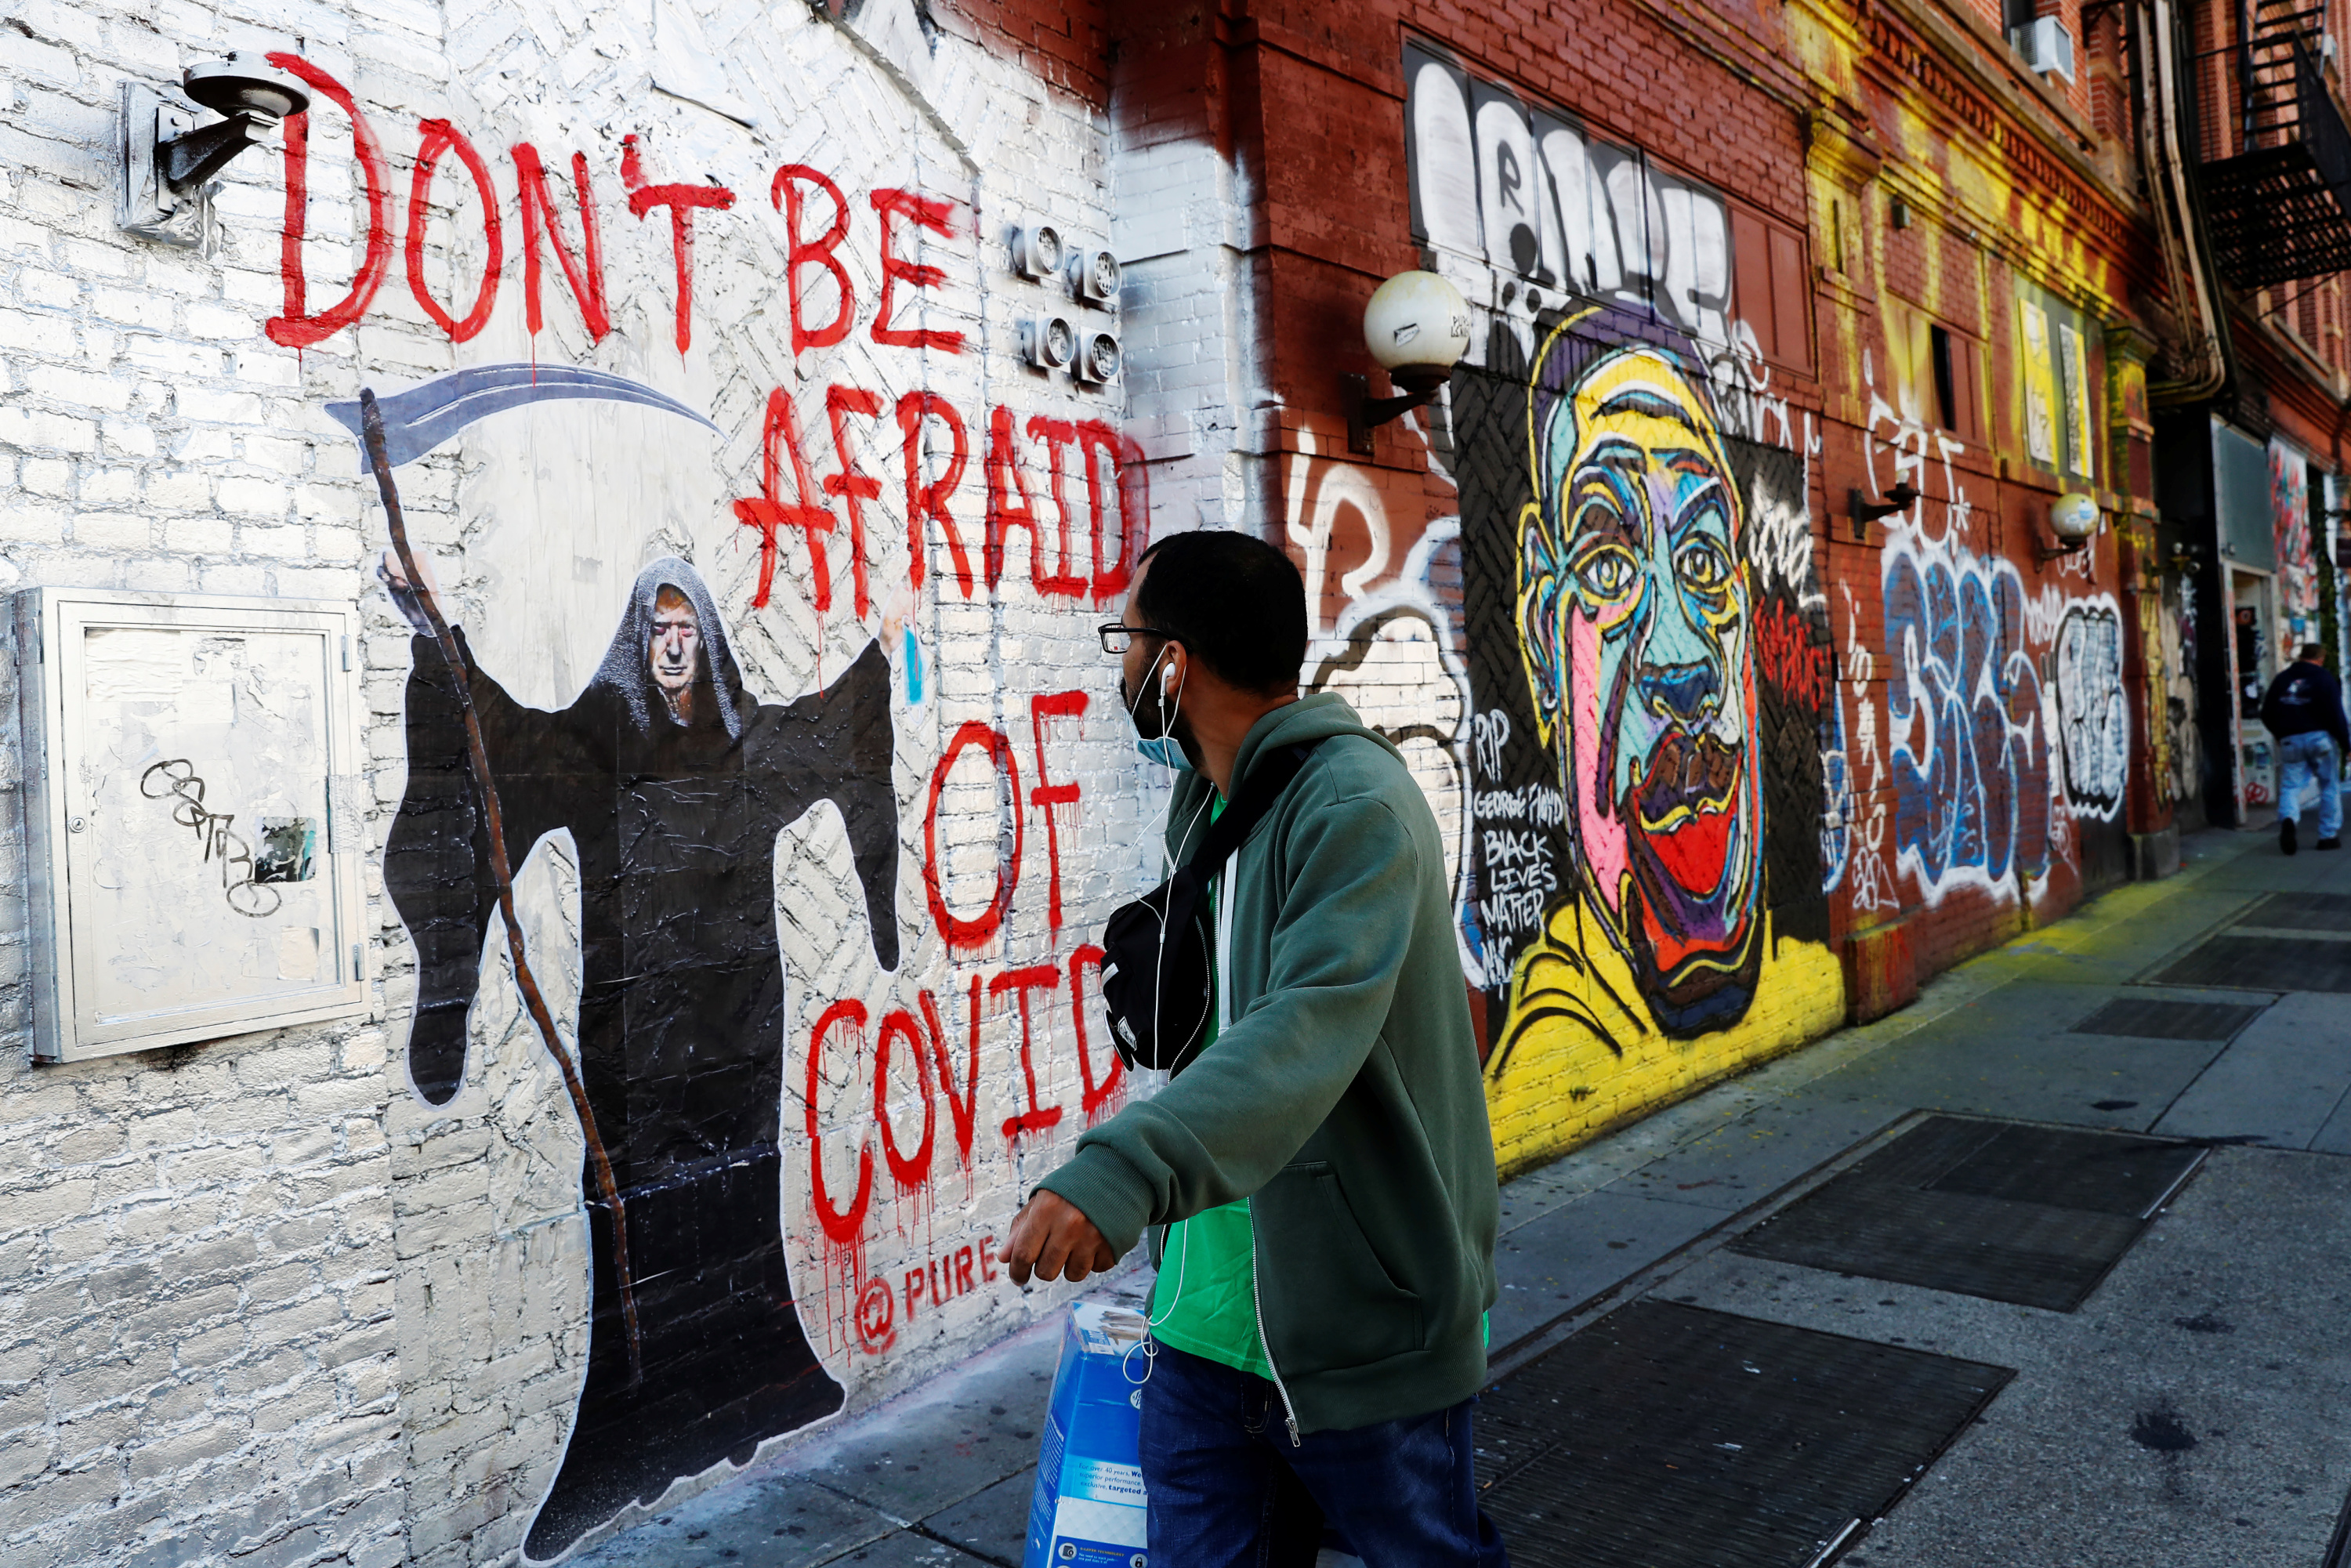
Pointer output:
x,y
909,1549
772,1521
2334,1137
1762,1151
1581,1249
993,1524
2112,940
2280,1081
853,1484
948,1440
2046,1075
2187,1414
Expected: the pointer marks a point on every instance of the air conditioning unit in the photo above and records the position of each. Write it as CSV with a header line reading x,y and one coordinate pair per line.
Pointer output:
x,y
1099,358
1098,276
2047,45
1037,252
1049,342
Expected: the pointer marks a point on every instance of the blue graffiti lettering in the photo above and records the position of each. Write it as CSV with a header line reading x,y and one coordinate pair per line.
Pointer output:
x,y
1970,759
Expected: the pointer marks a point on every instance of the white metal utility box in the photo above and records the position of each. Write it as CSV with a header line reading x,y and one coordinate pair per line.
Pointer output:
x,y
191,816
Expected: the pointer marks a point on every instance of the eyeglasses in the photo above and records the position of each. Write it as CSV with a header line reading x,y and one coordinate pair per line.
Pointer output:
x,y
1117,636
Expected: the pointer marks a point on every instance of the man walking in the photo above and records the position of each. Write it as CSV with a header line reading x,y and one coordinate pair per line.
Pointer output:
x,y
1321,1175
2304,710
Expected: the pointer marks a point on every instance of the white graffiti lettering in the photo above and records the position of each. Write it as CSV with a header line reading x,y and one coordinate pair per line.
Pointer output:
x,y
1540,804
2094,716
1489,732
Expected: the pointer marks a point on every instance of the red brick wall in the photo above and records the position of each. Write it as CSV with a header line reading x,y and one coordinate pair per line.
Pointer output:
x,y
1065,43
1329,149
2008,197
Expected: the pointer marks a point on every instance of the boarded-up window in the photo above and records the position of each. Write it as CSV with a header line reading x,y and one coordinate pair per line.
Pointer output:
x,y
1936,372
2058,377
1771,290
2073,376
2037,369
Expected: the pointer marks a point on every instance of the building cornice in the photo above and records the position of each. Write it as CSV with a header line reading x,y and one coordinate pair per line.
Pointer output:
x,y
1909,41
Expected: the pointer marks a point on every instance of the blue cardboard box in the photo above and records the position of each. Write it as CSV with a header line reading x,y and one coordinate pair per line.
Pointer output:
x,y
1087,1511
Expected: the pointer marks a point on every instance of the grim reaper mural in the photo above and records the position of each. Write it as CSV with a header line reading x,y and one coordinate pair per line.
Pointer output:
x,y
674,783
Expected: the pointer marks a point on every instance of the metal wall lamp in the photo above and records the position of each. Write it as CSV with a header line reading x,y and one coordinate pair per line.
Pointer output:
x,y
1416,325
2073,523
167,158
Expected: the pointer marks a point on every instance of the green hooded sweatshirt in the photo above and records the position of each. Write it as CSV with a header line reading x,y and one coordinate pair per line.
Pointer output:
x,y
1345,1101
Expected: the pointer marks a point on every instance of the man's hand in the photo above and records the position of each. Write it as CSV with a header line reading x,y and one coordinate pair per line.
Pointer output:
x,y
1054,1240
404,593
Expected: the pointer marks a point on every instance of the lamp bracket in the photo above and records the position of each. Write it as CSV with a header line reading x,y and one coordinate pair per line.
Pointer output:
x,y
1865,511
190,158
146,204
1366,412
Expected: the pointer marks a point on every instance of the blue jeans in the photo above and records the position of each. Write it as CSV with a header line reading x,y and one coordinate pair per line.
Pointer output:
x,y
1217,1461
2310,759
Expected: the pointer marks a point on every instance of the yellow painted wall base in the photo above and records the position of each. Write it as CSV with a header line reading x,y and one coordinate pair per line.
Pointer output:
x,y
1583,1056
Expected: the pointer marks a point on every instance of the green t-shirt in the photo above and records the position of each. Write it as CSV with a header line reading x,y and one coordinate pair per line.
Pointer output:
x,y
1205,1298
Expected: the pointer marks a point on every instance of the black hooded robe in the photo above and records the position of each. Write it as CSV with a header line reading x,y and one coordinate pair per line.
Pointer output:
x,y
680,1042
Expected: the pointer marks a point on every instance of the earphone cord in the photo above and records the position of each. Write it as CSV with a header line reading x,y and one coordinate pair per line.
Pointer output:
x,y
1168,861
1151,1351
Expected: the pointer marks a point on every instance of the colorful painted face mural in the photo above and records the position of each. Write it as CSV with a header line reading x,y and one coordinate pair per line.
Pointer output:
x,y
1673,760
1654,734
1634,614
1653,782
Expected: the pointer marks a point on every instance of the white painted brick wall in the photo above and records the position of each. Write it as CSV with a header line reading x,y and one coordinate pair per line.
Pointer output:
x,y
197,1355
1197,392
257,1303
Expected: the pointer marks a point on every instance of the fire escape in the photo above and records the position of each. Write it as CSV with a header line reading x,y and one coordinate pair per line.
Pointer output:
x,y
2275,169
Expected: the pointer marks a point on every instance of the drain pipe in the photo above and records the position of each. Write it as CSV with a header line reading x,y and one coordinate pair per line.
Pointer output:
x,y
2185,257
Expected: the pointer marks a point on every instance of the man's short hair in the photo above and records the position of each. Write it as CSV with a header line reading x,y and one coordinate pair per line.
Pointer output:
x,y
2314,651
1236,602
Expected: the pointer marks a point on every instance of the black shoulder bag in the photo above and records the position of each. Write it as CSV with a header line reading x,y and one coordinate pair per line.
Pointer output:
x,y
1155,971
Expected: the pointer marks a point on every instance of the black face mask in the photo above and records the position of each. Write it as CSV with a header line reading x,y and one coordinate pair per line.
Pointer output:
x,y
1150,714
1153,720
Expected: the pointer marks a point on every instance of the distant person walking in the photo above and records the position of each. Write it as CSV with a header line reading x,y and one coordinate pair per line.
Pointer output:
x,y
2303,710
1320,1176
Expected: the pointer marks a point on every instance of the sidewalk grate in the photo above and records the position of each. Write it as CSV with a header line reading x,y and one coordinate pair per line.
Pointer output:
x,y
2322,911
2262,964
2143,1018
2098,1173
2008,1212
1674,1436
